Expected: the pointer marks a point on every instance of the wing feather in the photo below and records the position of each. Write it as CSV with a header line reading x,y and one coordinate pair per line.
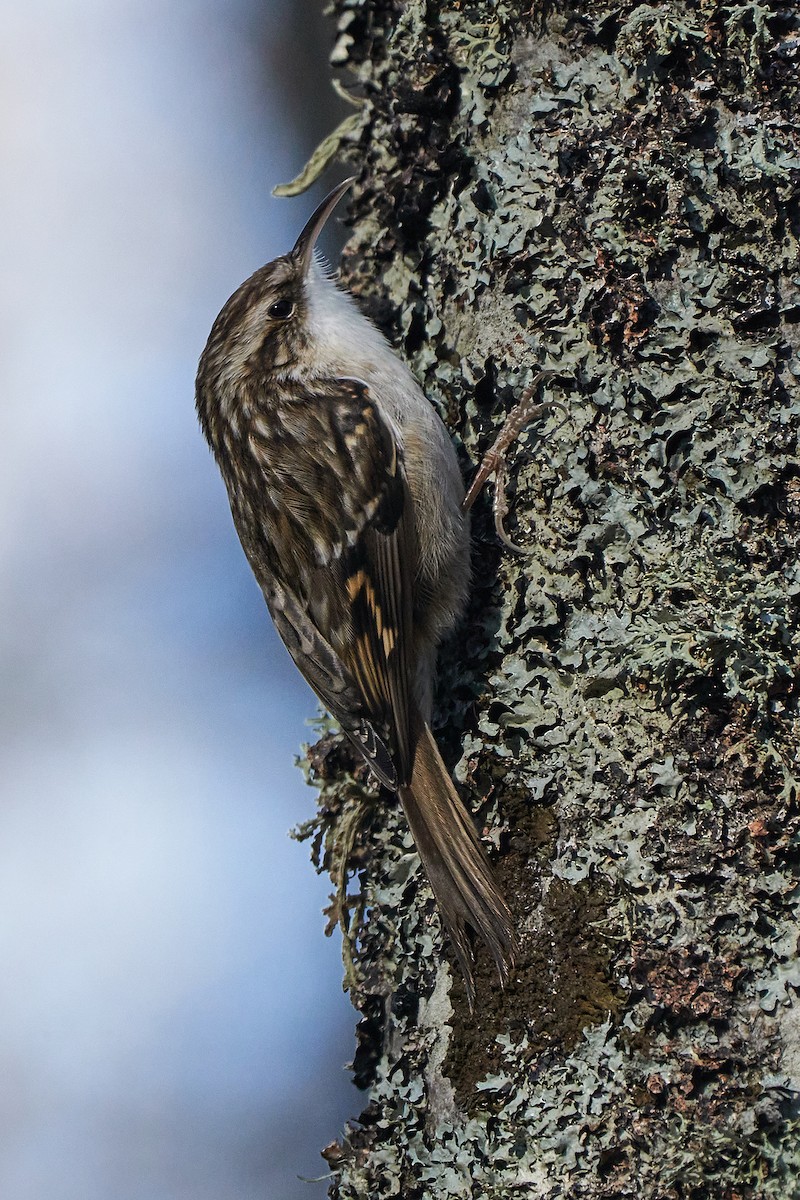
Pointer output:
x,y
338,542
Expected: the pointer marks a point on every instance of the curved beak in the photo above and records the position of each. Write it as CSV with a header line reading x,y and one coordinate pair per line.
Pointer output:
x,y
304,246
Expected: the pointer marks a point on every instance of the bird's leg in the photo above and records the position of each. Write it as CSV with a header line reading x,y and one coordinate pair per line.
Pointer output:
x,y
494,460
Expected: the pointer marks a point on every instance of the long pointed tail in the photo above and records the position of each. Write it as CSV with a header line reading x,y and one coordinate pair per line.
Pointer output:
x,y
456,863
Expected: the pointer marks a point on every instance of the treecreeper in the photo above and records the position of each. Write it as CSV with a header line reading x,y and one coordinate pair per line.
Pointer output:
x,y
348,500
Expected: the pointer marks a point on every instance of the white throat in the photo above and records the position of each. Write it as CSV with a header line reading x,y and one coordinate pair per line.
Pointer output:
x,y
345,341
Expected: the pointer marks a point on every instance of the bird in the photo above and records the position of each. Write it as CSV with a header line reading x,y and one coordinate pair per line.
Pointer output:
x,y
347,496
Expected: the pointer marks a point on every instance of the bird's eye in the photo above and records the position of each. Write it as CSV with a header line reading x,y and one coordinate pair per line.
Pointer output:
x,y
281,310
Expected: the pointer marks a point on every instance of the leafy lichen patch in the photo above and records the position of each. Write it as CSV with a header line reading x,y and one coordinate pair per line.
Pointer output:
x,y
612,194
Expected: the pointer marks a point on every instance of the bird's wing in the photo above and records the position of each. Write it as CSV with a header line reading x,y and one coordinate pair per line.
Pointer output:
x,y
340,551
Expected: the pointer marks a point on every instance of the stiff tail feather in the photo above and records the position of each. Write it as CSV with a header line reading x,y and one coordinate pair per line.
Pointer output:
x,y
456,863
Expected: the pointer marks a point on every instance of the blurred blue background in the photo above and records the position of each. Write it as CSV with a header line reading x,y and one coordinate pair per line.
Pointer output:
x,y
171,1017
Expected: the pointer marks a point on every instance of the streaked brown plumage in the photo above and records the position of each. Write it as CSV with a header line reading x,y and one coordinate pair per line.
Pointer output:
x,y
346,495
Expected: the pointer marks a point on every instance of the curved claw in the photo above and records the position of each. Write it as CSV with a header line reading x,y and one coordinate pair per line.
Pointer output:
x,y
500,510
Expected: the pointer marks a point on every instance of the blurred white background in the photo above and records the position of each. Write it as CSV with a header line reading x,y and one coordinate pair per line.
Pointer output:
x,y
171,1017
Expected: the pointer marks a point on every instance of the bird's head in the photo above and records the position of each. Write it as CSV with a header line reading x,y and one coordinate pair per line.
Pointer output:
x,y
263,329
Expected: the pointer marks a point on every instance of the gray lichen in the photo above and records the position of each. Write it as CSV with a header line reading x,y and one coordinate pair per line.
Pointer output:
x,y
611,194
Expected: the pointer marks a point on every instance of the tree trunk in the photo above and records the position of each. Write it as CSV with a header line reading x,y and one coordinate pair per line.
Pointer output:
x,y
610,194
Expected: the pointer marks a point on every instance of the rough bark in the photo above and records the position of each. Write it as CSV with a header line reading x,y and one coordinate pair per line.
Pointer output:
x,y
612,194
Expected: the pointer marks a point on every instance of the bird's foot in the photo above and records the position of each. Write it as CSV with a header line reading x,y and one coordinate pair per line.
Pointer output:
x,y
494,460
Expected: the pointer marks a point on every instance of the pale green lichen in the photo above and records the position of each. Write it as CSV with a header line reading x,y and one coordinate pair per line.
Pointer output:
x,y
328,150
611,194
